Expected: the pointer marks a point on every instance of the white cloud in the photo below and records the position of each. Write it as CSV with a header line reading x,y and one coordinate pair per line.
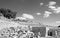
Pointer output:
x,y
38,13
47,14
58,10
41,4
57,21
27,16
52,3
53,8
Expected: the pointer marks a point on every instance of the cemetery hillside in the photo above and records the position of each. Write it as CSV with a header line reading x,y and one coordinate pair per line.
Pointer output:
x,y
12,26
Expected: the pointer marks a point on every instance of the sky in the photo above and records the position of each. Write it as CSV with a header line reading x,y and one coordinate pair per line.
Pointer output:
x,y
44,11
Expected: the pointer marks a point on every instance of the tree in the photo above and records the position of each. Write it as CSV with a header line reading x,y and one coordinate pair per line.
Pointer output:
x,y
7,13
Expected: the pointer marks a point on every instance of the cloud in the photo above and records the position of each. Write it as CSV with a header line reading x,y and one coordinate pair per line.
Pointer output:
x,y
57,21
38,13
41,4
27,16
47,14
52,7
55,9
52,3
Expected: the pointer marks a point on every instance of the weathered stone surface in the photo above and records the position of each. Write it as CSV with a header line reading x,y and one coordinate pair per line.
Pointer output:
x,y
4,24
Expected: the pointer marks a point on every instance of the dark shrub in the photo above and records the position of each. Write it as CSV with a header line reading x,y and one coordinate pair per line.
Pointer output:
x,y
7,13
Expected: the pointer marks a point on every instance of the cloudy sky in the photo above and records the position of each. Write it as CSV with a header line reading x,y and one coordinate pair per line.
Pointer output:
x,y
45,11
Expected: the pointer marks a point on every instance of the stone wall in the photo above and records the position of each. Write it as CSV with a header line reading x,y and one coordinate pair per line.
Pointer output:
x,y
42,30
